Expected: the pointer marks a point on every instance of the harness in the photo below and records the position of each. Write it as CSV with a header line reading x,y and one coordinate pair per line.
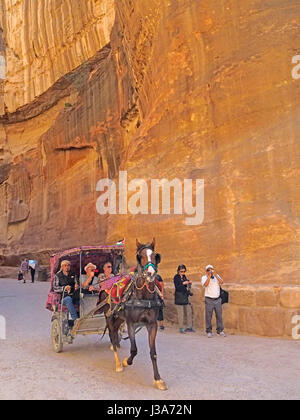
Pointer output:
x,y
142,304
127,303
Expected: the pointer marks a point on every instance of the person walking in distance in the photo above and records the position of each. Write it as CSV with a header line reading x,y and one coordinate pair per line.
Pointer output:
x,y
24,268
212,281
32,268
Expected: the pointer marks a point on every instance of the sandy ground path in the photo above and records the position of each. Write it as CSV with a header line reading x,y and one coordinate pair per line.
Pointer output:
x,y
193,366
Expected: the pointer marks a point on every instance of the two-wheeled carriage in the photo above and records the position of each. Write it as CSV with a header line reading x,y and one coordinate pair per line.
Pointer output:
x,y
90,322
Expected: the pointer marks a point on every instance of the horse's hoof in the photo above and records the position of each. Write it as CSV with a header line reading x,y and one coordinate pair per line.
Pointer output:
x,y
160,384
124,363
119,368
111,348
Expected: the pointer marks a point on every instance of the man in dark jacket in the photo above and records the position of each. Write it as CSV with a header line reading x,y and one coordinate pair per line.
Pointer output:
x,y
182,293
64,282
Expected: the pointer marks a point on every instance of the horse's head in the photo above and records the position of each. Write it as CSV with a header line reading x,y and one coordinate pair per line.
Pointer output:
x,y
147,259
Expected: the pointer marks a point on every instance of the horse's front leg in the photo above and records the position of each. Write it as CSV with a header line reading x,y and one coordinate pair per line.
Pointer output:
x,y
133,348
152,331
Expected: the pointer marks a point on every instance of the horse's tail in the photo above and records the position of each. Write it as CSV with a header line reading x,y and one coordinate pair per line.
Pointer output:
x,y
104,332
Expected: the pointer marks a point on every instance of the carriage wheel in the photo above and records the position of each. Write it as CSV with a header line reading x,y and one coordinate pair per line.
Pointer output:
x,y
56,335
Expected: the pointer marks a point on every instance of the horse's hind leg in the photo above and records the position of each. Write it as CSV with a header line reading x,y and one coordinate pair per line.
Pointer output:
x,y
152,331
133,348
113,334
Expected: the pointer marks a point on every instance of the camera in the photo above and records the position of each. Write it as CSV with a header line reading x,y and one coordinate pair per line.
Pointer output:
x,y
188,287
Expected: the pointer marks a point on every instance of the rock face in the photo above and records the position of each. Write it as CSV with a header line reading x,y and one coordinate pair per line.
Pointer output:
x,y
160,89
46,40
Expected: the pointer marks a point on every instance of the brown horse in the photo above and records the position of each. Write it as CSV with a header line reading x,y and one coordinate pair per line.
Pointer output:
x,y
141,307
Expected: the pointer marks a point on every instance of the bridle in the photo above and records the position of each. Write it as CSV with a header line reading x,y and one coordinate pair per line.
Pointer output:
x,y
144,275
151,302
149,264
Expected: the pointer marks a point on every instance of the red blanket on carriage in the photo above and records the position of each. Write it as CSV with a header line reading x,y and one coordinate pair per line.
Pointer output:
x,y
116,286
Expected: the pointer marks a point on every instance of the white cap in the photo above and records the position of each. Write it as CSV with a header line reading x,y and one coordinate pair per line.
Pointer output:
x,y
90,265
209,266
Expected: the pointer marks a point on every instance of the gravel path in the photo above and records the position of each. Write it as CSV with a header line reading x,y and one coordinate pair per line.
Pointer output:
x,y
194,367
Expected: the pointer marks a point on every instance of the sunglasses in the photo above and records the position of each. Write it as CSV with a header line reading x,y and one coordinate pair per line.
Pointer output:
x,y
108,266
182,271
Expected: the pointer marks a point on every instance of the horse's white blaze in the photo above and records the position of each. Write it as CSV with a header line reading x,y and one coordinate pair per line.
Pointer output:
x,y
150,269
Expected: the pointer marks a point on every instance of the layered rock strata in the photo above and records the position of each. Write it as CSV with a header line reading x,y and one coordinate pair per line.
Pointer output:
x,y
160,89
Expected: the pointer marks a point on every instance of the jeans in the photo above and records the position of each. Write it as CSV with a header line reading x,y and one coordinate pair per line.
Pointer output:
x,y
181,309
212,305
68,302
32,274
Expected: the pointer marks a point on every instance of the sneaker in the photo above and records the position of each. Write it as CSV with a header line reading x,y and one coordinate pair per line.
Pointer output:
x,y
222,334
209,335
182,330
190,330
161,327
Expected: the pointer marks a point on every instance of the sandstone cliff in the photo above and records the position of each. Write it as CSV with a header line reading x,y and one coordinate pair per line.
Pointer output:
x,y
161,89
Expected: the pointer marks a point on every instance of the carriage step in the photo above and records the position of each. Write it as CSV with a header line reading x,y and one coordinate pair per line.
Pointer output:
x,y
97,323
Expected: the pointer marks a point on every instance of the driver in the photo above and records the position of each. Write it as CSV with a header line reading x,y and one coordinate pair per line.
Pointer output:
x,y
65,284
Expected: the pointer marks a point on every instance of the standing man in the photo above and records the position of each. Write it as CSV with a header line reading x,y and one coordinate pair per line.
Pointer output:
x,y
24,268
212,281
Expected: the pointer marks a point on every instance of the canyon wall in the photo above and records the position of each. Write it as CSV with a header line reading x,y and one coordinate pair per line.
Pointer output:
x,y
160,89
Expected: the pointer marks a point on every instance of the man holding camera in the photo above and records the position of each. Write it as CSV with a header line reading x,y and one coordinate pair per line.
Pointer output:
x,y
212,281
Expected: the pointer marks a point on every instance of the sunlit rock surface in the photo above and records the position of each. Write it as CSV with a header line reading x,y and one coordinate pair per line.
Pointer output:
x,y
161,89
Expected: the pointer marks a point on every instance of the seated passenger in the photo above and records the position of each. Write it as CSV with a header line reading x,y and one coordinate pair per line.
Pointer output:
x,y
65,284
107,268
87,284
